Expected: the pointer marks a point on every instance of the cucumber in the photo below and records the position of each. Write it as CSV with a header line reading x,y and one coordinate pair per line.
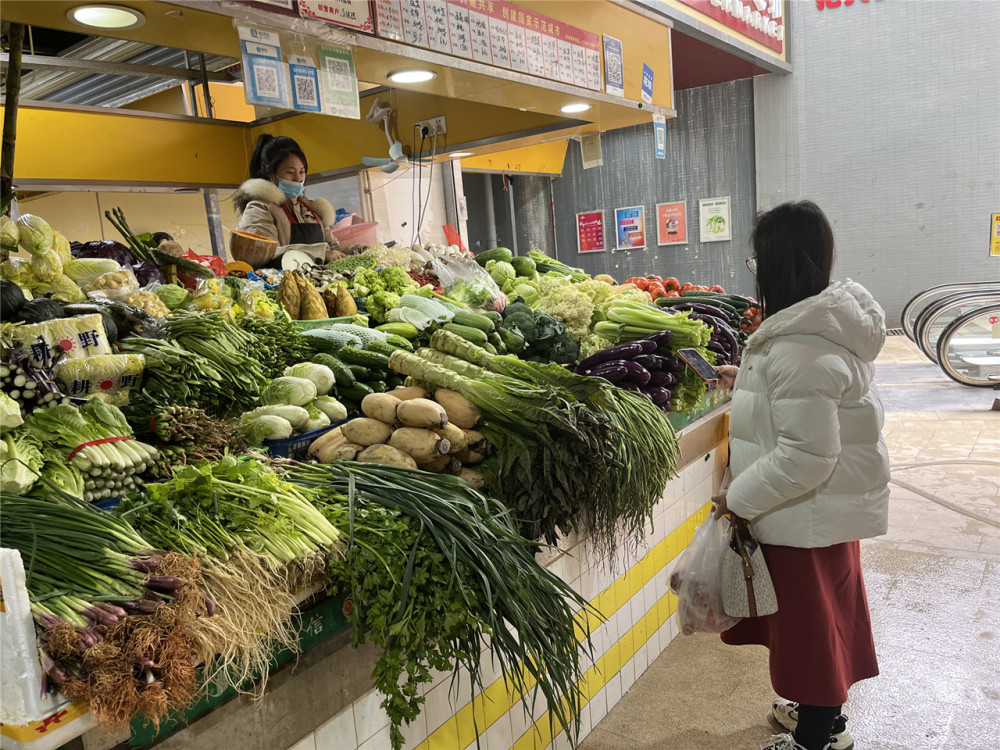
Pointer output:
x,y
496,317
360,373
378,386
341,372
355,393
399,342
468,333
394,381
371,360
381,347
473,320
490,348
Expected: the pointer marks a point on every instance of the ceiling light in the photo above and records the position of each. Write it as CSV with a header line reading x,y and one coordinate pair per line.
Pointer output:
x,y
460,154
411,76
115,17
572,109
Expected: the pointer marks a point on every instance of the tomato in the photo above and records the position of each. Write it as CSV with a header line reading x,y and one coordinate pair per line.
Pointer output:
x,y
687,286
717,289
672,293
641,283
656,289
653,277
671,284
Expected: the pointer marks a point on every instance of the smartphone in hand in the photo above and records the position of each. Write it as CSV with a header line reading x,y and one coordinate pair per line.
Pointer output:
x,y
701,366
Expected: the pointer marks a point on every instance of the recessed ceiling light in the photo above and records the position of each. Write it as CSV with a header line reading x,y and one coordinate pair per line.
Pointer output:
x,y
460,154
411,76
115,17
572,109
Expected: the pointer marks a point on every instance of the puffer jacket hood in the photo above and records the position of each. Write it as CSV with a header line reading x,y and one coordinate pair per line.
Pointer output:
x,y
844,313
256,190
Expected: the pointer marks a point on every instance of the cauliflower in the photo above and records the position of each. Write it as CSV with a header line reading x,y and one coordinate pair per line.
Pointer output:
x,y
627,292
594,344
569,305
386,257
598,291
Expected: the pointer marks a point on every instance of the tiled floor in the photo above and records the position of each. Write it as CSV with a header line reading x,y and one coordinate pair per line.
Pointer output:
x,y
934,593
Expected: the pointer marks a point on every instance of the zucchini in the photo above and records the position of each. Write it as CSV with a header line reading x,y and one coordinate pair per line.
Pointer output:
x,y
473,321
512,341
371,360
490,348
468,333
497,253
403,330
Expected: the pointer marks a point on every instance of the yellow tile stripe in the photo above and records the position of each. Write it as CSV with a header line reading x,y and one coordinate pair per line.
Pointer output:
x,y
495,701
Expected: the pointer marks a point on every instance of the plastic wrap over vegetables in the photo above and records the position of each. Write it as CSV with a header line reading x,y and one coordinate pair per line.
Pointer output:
x,y
466,281
115,251
112,376
71,338
86,271
34,234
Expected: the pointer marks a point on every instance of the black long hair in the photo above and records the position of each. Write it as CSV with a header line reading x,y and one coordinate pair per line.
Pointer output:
x,y
270,151
793,245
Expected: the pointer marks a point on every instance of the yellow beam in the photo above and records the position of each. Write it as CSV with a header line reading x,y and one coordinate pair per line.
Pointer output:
x,y
104,147
543,158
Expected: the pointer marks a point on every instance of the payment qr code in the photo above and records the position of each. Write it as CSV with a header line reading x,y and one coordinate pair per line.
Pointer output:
x,y
267,82
305,91
339,72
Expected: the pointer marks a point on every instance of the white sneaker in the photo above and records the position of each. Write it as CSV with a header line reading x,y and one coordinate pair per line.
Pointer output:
x,y
786,713
786,742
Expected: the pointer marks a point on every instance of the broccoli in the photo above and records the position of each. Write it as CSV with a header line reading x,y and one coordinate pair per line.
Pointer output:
x,y
565,350
523,323
548,327
517,306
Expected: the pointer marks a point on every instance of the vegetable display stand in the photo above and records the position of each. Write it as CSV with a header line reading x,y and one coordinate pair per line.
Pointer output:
x,y
295,447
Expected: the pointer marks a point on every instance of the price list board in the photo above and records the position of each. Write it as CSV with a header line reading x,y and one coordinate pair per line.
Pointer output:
x,y
496,33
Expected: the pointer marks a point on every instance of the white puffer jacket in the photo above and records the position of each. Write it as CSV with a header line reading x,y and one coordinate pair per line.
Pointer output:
x,y
809,465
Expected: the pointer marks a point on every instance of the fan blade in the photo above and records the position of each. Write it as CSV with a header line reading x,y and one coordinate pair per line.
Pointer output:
x,y
396,151
370,161
390,167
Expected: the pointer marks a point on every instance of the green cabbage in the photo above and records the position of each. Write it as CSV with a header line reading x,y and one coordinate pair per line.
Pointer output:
x,y
289,390
296,416
20,462
330,406
87,270
60,246
9,236
34,234
10,413
501,271
173,296
19,271
265,427
63,475
62,289
46,266
319,375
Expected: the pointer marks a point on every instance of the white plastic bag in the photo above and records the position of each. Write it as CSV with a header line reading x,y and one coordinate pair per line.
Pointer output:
x,y
697,581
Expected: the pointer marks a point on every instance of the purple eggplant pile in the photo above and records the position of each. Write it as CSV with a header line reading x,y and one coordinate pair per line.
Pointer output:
x,y
645,366
725,341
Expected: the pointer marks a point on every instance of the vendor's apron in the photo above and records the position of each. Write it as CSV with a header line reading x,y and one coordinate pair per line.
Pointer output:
x,y
303,233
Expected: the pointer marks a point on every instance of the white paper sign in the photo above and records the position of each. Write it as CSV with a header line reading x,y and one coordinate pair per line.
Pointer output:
x,y
565,62
536,57
461,37
518,48
594,69
550,51
479,25
579,65
438,33
499,43
713,219
414,23
389,14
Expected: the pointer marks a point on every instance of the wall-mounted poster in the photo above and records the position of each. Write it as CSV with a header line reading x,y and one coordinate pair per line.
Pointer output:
x,y
671,223
590,232
995,235
630,227
713,219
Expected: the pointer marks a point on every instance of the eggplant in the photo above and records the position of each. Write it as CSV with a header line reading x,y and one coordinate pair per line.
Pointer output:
x,y
660,338
637,373
658,395
614,372
622,351
703,309
662,379
673,364
731,337
651,362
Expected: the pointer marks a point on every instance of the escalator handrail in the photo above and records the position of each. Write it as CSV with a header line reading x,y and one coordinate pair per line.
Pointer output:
x,y
944,342
909,328
929,316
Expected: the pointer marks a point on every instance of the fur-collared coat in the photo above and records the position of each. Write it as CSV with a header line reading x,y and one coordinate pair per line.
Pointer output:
x,y
259,205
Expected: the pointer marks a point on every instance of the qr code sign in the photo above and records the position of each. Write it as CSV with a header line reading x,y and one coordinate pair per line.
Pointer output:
x,y
305,91
339,72
267,82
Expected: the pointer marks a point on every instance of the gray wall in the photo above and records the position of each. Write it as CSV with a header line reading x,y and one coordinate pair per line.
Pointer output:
x,y
891,123
710,153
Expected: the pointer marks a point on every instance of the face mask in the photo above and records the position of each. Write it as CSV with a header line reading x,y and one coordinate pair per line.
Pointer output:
x,y
292,189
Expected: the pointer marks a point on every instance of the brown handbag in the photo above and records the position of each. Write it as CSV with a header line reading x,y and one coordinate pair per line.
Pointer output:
x,y
747,589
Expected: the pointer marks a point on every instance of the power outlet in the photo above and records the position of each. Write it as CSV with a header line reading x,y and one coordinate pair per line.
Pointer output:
x,y
432,127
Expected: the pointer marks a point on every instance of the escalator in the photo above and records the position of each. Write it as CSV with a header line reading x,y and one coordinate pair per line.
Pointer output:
x,y
957,326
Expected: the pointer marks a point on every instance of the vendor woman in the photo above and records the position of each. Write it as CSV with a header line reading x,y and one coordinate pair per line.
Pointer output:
x,y
271,203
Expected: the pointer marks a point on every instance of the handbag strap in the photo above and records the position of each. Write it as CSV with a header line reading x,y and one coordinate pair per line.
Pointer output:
x,y
740,536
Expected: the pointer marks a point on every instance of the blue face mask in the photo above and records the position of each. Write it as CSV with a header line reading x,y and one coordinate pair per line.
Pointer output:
x,y
292,189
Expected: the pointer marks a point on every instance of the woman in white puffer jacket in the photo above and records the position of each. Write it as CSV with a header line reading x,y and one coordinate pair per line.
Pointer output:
x,y
810,471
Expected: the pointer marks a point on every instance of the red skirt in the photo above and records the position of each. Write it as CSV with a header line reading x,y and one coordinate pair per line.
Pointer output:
x,y
820,638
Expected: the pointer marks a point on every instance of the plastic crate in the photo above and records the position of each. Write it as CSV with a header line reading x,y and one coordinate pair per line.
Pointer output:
x,y
296,446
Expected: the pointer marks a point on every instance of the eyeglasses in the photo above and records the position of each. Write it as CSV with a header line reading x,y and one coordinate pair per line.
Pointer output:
x,y
752,265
